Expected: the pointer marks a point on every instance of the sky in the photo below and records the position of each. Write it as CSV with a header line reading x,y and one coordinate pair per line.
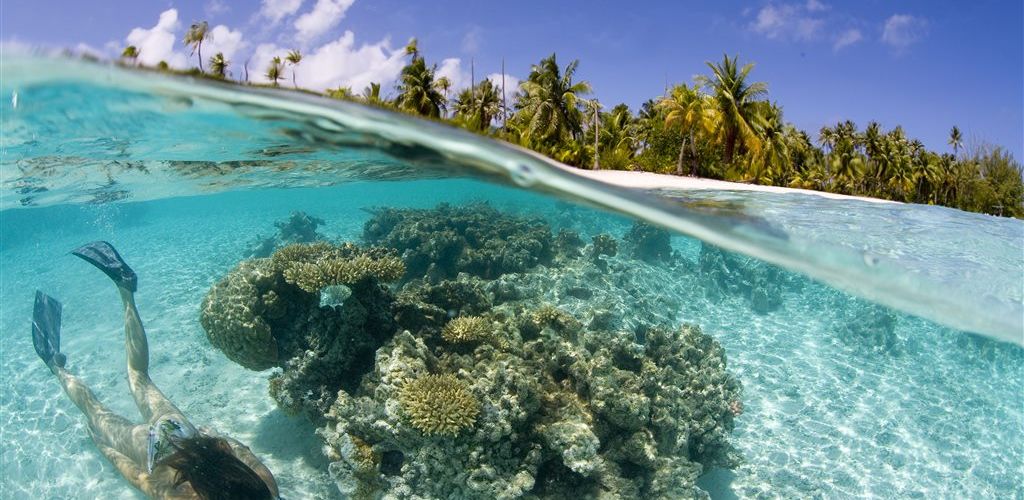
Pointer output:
x,y
926,65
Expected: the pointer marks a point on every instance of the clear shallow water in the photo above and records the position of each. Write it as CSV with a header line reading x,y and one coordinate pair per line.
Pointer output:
x,y
830,410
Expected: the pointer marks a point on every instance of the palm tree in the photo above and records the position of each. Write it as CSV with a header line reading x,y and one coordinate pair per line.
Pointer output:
x,y
827,140
130,52
735,100
219,65
412,48
294,57
685,109
444,84
479,106
618,137
194,37
549,104
956,140
771,158
871,140
274,70
371,94
343,93
417,90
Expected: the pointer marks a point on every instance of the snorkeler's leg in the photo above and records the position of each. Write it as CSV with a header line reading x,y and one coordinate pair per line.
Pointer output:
x,y
149,399
106,427
151,402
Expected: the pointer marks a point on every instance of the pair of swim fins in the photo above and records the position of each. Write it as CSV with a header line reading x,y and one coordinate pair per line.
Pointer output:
x,y
47,310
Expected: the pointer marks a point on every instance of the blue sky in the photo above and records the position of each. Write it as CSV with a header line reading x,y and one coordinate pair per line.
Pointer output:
x,y
924,64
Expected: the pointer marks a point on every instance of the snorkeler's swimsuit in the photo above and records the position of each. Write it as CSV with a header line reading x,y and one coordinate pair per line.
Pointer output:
x,y
165,436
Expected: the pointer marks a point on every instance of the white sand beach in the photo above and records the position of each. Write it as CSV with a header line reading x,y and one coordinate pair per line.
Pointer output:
x,y
650,180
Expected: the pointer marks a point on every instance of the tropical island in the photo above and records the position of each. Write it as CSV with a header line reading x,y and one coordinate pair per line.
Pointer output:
x,y
723,126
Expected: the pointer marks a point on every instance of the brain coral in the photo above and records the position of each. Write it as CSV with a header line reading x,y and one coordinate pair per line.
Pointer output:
x,y
233,320
466,329
439,404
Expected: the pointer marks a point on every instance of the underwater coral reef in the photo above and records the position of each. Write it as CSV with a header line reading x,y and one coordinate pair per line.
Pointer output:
x,y
300,227
462,352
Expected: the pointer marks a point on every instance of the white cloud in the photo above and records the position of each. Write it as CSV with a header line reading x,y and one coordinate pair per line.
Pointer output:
x,y
471,40
325,15
223,39
452,69
511,82
157,43
339,63
275,10
788,21
903,30
214,8
89,50
847,38
816,6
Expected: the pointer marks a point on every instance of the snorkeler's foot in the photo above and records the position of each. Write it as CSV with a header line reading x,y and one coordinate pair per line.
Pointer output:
x,y
46,330
103,255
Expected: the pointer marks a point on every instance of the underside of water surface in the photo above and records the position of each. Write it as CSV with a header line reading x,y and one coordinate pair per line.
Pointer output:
x,y
379,307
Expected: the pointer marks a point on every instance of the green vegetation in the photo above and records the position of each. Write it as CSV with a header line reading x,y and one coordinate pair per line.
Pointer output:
x,y
274,70
219,65
130,53
722,126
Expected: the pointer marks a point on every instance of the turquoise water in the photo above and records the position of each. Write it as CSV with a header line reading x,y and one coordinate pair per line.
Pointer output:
x,y
841,397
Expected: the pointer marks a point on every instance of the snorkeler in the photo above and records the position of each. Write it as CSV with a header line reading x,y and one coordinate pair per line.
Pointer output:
x,y
166,457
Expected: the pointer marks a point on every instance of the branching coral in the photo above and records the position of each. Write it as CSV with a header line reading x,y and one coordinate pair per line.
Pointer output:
x,y
439,404
466,329
318,265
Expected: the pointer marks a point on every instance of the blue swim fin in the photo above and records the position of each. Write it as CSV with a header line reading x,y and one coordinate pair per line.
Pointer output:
x,y
46,329
103,255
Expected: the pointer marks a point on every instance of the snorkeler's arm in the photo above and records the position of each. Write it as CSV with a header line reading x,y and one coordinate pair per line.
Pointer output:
x,y
132,472
248,458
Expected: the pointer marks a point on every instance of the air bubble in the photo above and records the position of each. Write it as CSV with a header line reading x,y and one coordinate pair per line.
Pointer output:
x,y
871,260
524,175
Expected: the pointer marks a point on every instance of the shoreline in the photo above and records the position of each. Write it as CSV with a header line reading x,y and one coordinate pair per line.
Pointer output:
x,y
651,180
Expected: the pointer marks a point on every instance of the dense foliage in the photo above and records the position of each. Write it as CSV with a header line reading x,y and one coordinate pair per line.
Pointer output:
x,y
722,126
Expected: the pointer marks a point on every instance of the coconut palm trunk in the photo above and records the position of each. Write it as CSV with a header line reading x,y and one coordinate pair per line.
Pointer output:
x,y
682,154
693,156
730,145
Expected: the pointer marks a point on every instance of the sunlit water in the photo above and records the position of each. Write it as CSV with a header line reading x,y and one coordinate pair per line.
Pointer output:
x,y
829,410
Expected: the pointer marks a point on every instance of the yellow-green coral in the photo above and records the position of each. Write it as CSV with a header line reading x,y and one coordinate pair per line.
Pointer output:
x,y
300,252
316,265
439,404
466,329
549,315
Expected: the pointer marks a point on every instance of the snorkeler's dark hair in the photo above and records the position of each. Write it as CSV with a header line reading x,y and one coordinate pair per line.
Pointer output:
x,y
215,473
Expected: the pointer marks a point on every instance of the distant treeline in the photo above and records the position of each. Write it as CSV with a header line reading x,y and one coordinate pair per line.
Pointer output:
x,y
722,126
